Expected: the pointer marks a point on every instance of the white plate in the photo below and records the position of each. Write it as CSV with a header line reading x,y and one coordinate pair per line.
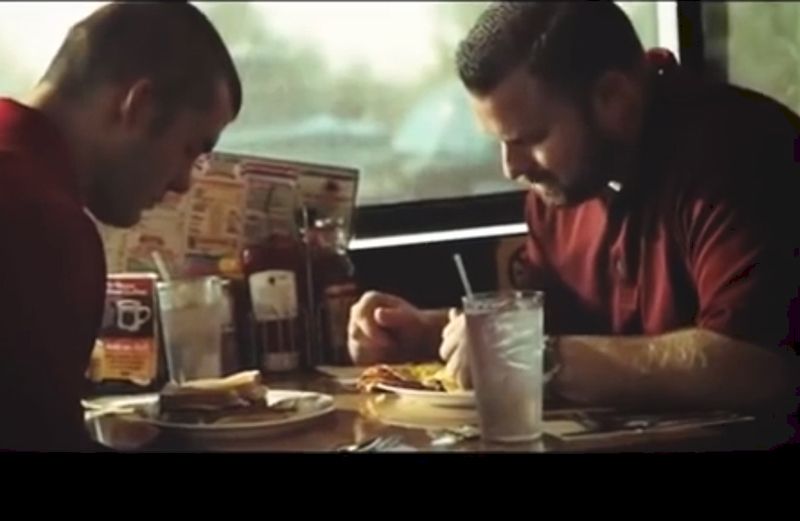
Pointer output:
x,y
459,399
391,409
345,375
312,406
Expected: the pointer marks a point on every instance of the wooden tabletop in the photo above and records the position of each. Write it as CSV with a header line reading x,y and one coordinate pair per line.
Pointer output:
x,y
358,417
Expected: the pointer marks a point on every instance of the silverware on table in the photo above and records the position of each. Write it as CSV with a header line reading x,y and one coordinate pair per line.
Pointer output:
x,y
377,444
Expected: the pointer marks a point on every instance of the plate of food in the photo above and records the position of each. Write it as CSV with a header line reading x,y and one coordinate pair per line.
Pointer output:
x,y
411,414
234,407
423,382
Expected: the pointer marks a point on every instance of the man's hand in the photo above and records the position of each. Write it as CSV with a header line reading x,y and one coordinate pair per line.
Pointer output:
x,y
453,349
384,328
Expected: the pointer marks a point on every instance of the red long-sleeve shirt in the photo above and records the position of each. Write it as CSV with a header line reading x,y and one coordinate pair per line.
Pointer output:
x,y
52,286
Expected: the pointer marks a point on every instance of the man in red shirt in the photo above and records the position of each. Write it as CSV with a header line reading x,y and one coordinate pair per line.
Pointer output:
x,y
135,93
660,216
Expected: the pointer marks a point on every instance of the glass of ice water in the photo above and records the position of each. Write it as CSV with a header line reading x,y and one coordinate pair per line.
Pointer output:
x,y
192,316
506,349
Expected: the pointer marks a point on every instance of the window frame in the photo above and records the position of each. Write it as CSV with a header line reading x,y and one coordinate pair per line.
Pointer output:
x,y
680,30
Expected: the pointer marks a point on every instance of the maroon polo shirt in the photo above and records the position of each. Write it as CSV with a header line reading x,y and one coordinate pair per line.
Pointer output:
x,y
704,234
52,292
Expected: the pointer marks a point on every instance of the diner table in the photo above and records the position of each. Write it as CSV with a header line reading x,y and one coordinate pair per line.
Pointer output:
x,y
355,421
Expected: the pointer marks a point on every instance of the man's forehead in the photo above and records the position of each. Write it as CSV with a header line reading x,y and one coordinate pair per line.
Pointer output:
x,y
520,100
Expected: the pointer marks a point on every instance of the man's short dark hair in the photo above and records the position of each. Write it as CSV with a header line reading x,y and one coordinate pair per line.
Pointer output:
x,y
172,44
566,44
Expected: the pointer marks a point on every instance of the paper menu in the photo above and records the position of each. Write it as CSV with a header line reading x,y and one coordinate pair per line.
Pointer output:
x,y
214,209
327,190
271,199
330,192
232,200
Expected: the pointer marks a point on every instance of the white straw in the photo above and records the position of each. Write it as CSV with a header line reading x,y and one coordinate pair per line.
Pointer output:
x,y
463,274
161,266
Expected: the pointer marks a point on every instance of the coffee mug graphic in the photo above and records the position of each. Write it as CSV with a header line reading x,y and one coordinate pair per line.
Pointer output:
x,y
131,314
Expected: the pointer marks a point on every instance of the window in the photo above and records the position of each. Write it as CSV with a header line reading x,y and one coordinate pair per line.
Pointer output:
x,y
363,84
762,47
370,85
30,33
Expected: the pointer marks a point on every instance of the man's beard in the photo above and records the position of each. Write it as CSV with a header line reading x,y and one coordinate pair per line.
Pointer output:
x,y
591,177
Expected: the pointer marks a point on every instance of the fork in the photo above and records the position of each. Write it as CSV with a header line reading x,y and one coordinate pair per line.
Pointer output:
x,y
386,443
376,444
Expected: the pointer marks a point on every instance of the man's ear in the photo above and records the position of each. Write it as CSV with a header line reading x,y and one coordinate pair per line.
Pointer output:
x,y
136,107
615,98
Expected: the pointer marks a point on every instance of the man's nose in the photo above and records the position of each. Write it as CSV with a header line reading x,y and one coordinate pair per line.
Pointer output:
x,y
182,182
517,163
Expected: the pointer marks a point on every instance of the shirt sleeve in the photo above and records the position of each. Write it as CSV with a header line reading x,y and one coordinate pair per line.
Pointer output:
x,y
52,297
742,253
